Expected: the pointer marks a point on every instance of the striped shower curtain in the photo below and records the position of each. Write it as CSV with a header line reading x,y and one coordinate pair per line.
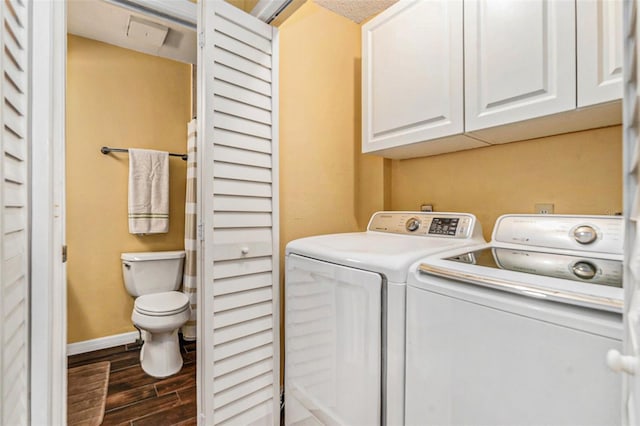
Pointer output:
x,y
189,286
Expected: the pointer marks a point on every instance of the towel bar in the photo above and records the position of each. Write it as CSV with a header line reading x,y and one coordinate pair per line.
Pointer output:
x,y
106,150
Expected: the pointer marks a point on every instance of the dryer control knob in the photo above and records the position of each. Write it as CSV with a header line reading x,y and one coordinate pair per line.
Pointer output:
x,y
584,270
412,224
585,234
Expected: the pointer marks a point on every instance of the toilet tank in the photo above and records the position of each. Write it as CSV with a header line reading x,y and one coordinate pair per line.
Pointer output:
x,y
152,272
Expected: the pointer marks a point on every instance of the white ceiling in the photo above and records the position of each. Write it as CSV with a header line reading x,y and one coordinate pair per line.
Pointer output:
x,y
180,43
112,25
356,10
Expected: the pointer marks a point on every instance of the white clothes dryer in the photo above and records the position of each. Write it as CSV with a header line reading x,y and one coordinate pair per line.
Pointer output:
x,y
516,332
345,315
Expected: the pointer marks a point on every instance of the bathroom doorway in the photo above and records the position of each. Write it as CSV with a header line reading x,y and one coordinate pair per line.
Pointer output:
x,y
238,243
129,85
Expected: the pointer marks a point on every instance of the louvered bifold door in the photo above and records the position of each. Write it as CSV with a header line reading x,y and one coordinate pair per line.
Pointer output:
x,y
631,191
240,218
14,143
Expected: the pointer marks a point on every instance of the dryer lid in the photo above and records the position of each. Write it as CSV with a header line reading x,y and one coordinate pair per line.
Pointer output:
x,y
162,304
388,254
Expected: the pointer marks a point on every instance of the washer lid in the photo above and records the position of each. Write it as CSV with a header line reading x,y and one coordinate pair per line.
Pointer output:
x,y
162,304
461,266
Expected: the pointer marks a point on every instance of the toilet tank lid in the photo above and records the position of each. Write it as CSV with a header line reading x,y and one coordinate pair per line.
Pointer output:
x,y
152,255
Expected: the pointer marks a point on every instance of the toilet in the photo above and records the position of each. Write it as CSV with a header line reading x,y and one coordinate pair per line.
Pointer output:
x,y
159,310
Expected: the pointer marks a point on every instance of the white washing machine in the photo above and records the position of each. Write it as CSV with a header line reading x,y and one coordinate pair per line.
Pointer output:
x,y
516,332
345,315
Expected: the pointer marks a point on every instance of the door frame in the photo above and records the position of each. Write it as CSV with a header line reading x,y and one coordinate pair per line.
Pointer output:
x,y
48,339
48,367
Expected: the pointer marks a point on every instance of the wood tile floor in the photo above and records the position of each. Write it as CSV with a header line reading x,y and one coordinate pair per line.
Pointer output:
x,y
134,398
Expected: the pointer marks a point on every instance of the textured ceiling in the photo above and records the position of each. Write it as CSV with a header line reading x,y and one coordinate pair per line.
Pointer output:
x,y
356,10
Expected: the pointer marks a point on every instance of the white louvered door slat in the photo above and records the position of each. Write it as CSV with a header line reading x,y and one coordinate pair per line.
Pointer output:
x,y
240,172
242,299
249,143
246,328
238,284
235,204
242,375
235,268
261,42
244,65
241,361
241,94
242,188
225,351
238,81
241,156
244,389
14,196
225,73
239,109
241,125
236,316
244,50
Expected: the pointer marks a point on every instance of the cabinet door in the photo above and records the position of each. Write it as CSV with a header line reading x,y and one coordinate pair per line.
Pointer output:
x,y
412,74
519,60
599,51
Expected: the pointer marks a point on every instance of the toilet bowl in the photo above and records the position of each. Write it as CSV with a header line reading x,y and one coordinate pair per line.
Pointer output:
x,y
159,316
159,310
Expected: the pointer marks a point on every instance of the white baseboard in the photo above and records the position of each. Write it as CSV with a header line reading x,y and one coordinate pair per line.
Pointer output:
x,y
101,343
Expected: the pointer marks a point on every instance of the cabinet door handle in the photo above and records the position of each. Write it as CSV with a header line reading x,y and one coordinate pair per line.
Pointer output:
x,y
245,250
622,363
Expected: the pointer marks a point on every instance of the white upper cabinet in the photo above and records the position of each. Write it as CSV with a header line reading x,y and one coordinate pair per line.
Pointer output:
x,y
599,51
524,69
412,71
519,60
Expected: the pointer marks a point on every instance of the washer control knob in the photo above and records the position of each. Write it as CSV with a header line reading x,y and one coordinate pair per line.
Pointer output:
x,y
585,234
584,270
412,224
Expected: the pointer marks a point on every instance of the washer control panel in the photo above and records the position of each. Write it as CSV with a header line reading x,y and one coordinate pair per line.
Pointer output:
x,y
450,225
603,234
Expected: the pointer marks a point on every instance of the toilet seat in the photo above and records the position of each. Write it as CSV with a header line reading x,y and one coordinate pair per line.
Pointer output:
x,y
162,304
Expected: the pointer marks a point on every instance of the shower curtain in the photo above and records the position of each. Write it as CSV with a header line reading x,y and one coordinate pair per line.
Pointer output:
x,y
189,284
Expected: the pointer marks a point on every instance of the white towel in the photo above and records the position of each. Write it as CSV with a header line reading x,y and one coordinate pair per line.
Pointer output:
x,y
148,191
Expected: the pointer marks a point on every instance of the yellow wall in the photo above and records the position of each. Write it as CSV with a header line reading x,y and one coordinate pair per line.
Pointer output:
x,y
326,185
580,173
119,98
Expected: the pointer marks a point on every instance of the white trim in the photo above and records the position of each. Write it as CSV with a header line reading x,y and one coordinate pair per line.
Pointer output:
x,y
204,376
48,273
101,343
205,201
266,10
275,188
